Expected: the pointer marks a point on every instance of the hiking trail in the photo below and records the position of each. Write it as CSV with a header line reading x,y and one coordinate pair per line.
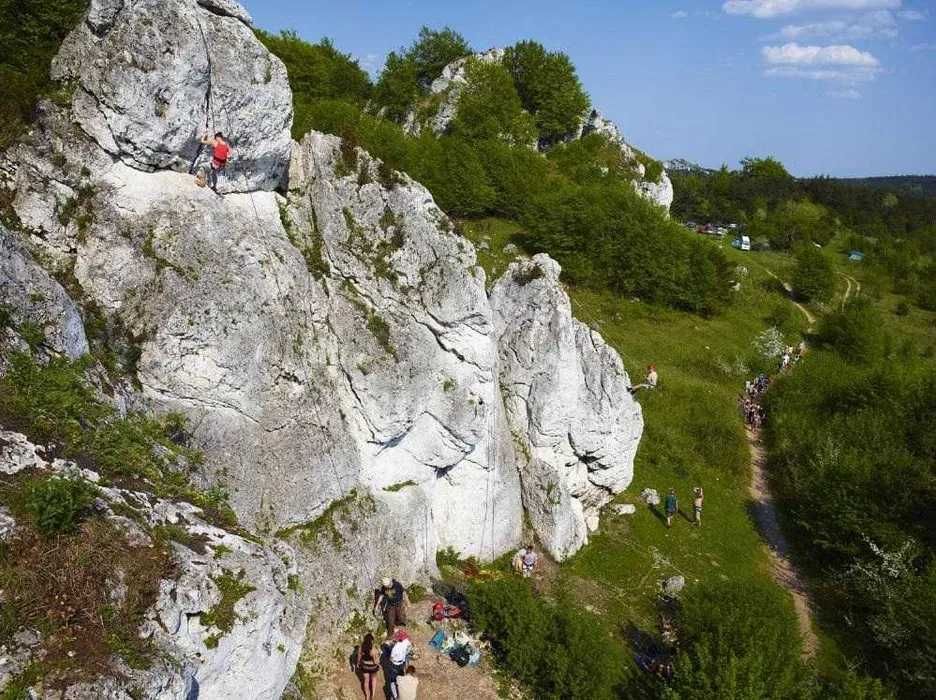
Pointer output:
x,y
782,568
788,288
852,283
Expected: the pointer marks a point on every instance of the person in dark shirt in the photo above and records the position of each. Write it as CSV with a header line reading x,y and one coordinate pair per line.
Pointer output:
x,y
391,601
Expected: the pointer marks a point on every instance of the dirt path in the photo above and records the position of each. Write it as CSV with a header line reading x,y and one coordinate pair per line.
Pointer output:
x,y
851,282
788,288
439,676
782,569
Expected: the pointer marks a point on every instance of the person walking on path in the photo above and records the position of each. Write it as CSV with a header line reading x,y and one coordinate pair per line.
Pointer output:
x,y
392,602
407,686
671,506
367,666
697,500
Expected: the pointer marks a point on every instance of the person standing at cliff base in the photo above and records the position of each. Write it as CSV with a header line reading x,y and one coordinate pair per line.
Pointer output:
x,y
697,500
671,506
392,602
368,666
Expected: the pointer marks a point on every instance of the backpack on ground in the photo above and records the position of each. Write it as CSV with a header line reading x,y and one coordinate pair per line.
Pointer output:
x,y
461,655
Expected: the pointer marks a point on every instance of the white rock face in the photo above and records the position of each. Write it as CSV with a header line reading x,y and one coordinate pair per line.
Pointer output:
x,y
151,73
30,294
566,396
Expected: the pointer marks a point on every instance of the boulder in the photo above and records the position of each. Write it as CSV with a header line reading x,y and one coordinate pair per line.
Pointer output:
x,y
624,509
673,586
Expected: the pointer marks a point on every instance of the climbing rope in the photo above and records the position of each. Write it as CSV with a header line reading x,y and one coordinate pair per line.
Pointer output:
x,y
209,109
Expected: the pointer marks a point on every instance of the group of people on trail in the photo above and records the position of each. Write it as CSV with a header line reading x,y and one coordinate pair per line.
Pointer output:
x,y
650,382
791,355
671,506
390,602
749,402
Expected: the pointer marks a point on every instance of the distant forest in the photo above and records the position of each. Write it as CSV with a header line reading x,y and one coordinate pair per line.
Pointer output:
x,y
920,185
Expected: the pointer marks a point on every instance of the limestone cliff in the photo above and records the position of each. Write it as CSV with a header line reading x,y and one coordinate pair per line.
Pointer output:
x,y
323,327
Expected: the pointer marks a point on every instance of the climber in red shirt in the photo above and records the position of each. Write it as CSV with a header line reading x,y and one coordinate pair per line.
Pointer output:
x,y
220,152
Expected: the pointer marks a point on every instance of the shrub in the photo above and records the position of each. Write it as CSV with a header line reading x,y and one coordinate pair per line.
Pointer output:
x,y
855,332
812,278
57,504
738,640
555,649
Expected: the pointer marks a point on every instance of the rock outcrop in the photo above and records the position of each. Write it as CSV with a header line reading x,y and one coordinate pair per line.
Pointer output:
x,y
32,296
254,658
341,364
564,405
152,76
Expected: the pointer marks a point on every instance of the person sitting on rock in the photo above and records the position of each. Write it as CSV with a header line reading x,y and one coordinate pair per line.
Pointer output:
x,y
528,561
220,152
392,601
649,383
407,686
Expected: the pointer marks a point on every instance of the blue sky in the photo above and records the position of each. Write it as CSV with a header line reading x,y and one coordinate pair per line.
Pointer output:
x,y
840,87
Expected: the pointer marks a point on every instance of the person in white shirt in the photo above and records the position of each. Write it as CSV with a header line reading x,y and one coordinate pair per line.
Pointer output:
x,y
399,655
407,685
649,383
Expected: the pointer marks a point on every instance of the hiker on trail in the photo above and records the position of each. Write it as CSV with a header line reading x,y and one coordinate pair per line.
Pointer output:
x,y
400,654
697,500
392,602
528,562
220,152
367,666
671,506
517,562
407,685
649,383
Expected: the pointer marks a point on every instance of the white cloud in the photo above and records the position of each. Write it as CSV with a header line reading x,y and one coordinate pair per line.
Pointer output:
x,y
912,15
872,25
679,14
794,54
846,94
766,9
923,47
841,63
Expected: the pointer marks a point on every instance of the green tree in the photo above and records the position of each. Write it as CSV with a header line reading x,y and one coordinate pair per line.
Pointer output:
x,y
433,50
812,277
738,641
489,107
549,88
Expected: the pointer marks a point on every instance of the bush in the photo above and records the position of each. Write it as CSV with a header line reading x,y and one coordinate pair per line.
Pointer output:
x,y
556,650
58,504
855,332
813,277
738,640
